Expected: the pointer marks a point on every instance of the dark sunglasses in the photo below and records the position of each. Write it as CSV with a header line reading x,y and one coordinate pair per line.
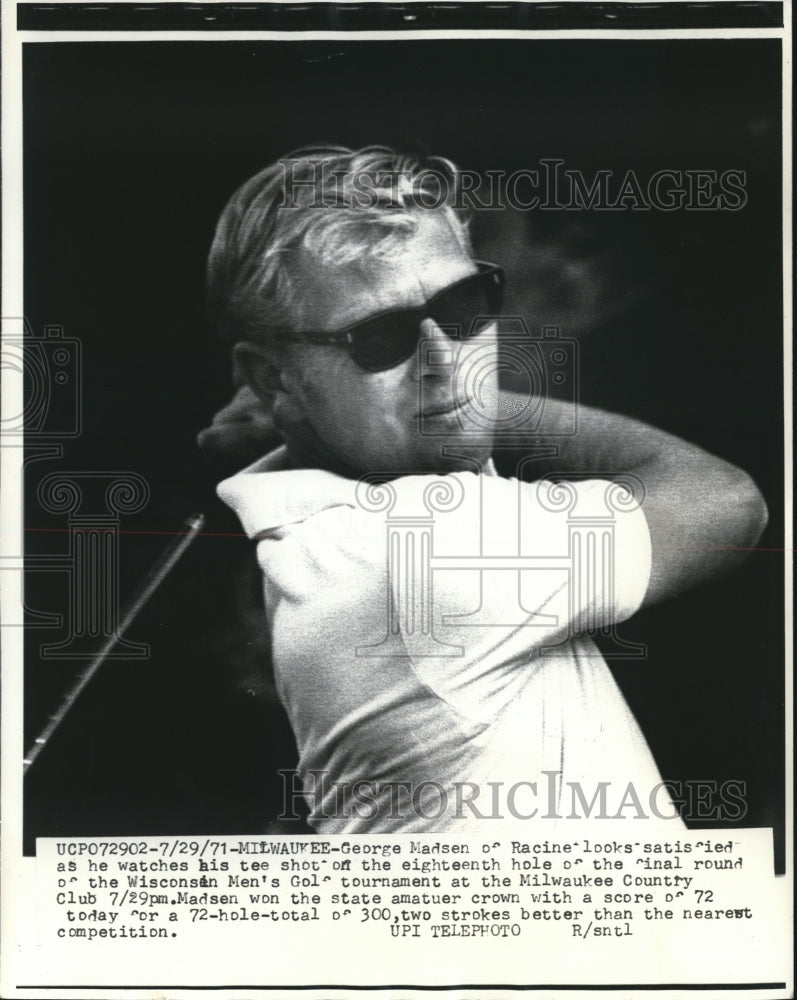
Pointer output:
x,y
389,338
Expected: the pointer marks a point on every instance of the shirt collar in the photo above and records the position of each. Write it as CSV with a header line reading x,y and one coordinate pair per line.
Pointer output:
x,y
270,494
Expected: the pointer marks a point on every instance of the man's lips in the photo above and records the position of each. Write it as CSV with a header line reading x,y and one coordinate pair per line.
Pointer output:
x,y
443,408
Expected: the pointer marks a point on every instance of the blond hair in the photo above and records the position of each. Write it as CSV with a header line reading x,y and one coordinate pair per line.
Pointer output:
x,y
327,204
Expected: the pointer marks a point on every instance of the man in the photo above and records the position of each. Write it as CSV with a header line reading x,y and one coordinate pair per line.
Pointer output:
x,y
428,615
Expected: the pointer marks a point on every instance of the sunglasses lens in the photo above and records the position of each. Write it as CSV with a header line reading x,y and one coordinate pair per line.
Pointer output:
x,y
382,343
385,342
464,304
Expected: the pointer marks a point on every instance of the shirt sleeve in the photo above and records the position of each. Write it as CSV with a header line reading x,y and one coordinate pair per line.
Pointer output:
x,y
530,552
517,571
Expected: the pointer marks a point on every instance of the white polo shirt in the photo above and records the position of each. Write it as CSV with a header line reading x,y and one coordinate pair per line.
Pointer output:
x,y
428,645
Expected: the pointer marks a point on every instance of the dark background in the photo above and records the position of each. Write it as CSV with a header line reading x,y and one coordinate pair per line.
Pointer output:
x,y
130,152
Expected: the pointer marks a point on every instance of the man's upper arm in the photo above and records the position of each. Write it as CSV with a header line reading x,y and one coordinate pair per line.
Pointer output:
x,y
704,513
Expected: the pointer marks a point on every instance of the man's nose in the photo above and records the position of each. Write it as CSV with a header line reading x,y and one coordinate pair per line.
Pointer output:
x,y
431,330
437,349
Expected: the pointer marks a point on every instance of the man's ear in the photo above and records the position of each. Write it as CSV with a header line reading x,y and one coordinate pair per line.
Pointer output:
x,y
257,366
